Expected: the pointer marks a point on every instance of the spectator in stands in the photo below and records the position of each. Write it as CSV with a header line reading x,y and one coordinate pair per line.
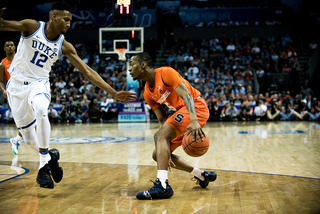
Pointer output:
x,y
303,110
64,90
191,75
286,69
179,59
61,83
251,100
94,65
231,112
312,47
291,52
104,106
172,57
214,111
257,62
283,58
247,74
73,111
230,47
63,115
246,60
288,97
255,39
242,112
239,81
287,38
249,111
260,74
110,67
211,99
314,112
91,93
237,100
305,90
260,111
287,113
94,112
114,108
255,49
274,57
57,103
52,114
194,68
270,39
309,101
237,66
274,110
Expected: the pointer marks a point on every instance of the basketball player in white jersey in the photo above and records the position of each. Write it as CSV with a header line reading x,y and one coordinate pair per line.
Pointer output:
x,y
28,89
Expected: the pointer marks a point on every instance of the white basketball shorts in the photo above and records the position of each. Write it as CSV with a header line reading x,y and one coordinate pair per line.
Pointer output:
x,y
20,99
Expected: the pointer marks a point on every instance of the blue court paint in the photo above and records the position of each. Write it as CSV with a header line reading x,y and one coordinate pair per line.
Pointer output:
x,y
273,132
90,140
16,176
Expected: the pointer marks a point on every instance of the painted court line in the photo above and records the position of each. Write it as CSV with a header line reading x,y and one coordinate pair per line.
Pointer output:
x,y
25,172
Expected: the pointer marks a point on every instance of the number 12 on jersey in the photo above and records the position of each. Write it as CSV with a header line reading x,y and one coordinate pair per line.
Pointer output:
x,y
41,59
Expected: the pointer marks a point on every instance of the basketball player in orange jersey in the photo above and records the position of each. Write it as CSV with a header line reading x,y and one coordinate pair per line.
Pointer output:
x,y
166,86
9,47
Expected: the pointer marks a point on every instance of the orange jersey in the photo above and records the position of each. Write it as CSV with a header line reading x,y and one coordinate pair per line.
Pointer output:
x,y
166,81
6,64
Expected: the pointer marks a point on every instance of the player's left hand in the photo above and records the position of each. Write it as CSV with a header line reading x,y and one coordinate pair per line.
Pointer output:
x,y
125,96
196,131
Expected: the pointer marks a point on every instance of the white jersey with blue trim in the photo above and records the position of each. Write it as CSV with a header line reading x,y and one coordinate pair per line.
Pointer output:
x,y
35,55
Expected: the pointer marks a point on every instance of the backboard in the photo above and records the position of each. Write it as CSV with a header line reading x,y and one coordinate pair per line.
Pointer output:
x,y
131,38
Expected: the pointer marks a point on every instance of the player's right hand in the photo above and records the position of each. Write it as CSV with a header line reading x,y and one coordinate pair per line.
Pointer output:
x,y
125,96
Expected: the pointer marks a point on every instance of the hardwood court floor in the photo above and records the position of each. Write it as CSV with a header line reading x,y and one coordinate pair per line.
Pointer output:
x,y
261,167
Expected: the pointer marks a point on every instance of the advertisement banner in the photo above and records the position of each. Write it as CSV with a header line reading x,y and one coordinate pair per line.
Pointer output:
x,y
132,112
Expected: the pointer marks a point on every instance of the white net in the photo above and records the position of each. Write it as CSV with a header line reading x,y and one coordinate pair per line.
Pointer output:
x,y
121,53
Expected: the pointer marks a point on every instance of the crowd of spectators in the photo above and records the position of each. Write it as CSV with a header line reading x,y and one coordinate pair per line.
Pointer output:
x,y
223,70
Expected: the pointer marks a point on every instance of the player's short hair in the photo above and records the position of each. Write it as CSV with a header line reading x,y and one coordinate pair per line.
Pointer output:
x,y
62,6
144,57
8,39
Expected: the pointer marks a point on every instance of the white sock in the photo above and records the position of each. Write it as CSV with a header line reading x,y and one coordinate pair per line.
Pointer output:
x,y
163,176
18,137
197,172
44,158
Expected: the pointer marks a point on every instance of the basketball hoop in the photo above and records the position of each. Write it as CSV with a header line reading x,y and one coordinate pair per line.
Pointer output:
x,y
121,53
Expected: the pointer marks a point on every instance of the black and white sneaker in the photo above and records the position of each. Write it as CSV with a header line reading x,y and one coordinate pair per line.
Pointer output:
x,y
208,177
156,192
44,178
56,171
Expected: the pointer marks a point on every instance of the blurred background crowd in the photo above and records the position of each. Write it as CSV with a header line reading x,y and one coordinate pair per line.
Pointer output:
x,y
243,76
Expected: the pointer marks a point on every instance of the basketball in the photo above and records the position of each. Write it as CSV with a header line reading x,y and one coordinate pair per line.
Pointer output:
x,y
195,148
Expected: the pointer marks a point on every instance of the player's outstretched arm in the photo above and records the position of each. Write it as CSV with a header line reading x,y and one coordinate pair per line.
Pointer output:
x,y
93,76
2,85
27,25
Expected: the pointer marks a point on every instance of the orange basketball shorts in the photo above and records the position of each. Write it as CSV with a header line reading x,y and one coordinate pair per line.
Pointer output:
x,y
180,120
